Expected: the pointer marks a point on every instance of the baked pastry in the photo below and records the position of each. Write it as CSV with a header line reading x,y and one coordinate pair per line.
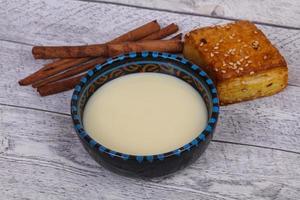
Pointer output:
x,y
239,58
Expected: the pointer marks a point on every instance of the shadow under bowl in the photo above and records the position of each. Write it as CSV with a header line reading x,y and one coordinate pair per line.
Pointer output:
x,y
151,165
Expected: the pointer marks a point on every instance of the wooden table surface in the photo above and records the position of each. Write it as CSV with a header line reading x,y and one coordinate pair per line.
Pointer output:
x,y
255,153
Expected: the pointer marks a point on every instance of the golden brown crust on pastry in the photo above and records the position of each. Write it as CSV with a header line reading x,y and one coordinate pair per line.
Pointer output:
x,y
235,50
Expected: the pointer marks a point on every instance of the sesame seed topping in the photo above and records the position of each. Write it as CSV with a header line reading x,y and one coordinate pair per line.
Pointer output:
x,y
216,52
238,62
231,51
211,55
223,71
244,90
244,82
201,44
239,40
255,44
234,66
217,44
252,72
242,59
230,63
205,49
265,57
249,61
246,57
216,47
246,65
237,71
216,69
226,55
255,32
221,40
241,68
245,45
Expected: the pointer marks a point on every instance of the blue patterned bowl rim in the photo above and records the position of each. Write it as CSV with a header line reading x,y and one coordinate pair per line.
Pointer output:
x,y
150,158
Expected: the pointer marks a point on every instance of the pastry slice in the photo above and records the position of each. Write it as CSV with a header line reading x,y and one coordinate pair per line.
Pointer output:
x,y
240,59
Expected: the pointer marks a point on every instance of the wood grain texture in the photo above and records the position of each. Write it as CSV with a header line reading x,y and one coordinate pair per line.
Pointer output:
x,y
280,12
17,63
47,161
72,22
41,158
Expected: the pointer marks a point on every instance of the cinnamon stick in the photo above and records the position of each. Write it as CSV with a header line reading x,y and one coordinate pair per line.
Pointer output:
x,y
171,46
162,33
137,33
61,86
141,31
73,71
49,87
50,70
46,52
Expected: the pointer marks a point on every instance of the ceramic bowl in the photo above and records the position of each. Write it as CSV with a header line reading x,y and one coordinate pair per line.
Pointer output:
x,y
139,165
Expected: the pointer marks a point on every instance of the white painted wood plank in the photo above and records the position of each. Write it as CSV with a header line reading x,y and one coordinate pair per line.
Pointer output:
x,y
37,164
272,121
72,22
16,62
47,161
280,12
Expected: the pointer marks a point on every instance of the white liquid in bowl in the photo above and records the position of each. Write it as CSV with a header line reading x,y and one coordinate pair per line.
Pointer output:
x,y
145,114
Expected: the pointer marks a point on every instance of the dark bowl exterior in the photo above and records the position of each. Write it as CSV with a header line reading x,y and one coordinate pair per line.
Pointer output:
x,y
154,165
146,169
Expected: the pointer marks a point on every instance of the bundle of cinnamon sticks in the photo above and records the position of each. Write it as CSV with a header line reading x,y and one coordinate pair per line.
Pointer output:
x,y
72,62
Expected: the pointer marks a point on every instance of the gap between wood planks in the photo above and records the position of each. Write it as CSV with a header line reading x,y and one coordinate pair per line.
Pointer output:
x,y
217,141
189,13
16,42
